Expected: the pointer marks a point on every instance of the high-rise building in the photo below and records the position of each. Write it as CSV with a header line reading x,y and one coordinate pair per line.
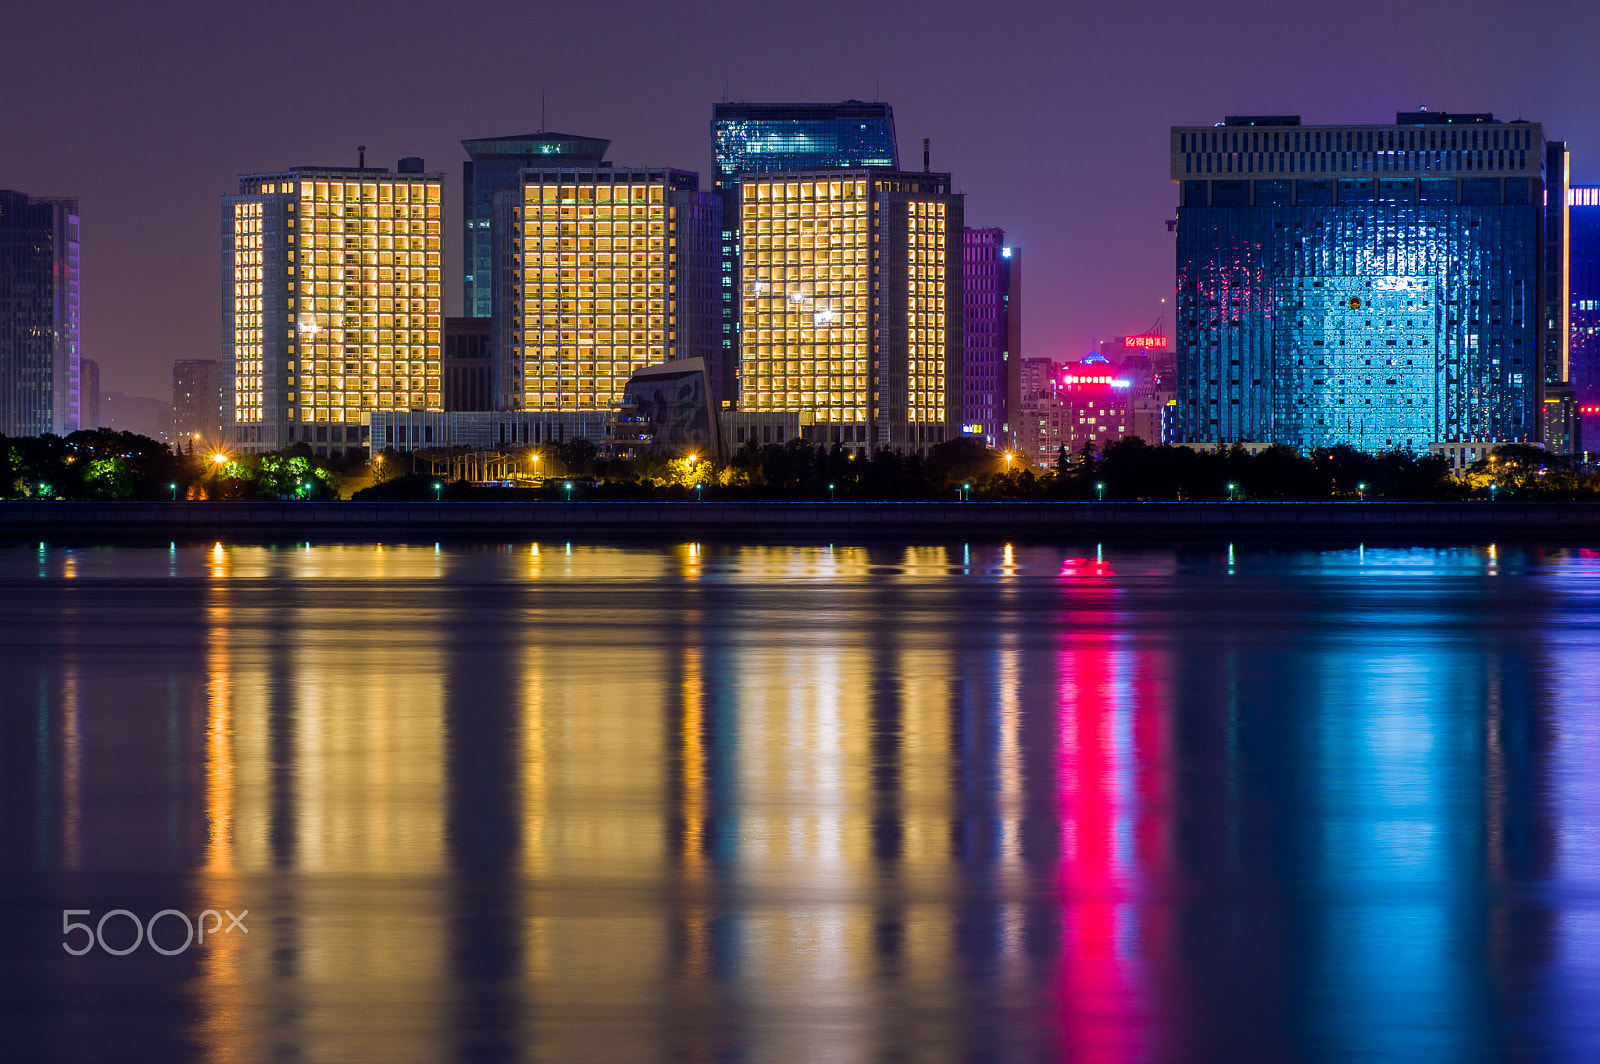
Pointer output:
x,y
89,394
197,402
39,354
1584,264
1373,285
599,273
851,303
1558,421
765,138
1041,417
331,303
991,293
494,164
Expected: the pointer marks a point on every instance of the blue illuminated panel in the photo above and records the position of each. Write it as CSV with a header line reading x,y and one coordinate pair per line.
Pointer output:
x,y
1376,312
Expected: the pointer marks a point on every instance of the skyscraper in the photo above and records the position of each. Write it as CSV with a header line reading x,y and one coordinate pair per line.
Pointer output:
x,y
600,272
197,403
39,369
1584,258
851,303
764,138
991,361
330,302
494,164
1379,286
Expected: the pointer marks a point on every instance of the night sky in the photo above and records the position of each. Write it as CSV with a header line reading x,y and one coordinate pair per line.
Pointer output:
x,y
1053,117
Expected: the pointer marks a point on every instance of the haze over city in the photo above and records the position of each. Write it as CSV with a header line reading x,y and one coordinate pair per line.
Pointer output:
x,y
1052,118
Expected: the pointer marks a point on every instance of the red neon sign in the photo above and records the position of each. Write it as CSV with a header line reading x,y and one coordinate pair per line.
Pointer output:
x,y
1155,343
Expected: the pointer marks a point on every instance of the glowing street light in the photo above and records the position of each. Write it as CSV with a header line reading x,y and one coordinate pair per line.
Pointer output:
x,y
1232,490
1100,491
1009,456
1361,492
219,459
174,488
830,493
438,491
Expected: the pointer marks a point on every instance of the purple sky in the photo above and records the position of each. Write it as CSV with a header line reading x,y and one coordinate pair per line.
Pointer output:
x,y
1053,116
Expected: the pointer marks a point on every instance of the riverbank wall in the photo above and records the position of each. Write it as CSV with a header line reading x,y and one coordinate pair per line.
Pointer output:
x,y
1571,521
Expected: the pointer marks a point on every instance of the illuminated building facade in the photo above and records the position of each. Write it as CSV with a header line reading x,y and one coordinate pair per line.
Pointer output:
x,y
39,353
493,164
601,273
197,402
991,295
851,303
1096,406
331,303
766,138
1583,215
1378,286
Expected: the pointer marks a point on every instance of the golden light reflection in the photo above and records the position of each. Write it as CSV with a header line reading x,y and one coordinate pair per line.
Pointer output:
x,y
222,988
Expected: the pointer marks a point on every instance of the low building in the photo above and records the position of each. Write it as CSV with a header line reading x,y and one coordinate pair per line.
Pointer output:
x,y
668,410
412,430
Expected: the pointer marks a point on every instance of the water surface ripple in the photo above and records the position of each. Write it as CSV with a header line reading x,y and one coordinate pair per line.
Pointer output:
x,y
567,802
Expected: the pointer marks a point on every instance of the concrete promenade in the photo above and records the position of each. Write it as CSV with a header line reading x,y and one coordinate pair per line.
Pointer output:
x,y
1574,521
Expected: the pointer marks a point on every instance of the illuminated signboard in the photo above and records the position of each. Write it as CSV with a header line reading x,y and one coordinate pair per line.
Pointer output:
x,y
1144,343
1069,378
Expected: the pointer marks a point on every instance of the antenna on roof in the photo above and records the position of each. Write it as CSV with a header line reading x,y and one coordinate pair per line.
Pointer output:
x,y
541,111
361,157
924,154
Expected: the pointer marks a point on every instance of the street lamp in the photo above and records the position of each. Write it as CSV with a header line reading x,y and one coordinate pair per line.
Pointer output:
x,y
1009,456
174,488
1361,492
1232,490
438,491
1100,491
569,491
966,490
1492,489
218,460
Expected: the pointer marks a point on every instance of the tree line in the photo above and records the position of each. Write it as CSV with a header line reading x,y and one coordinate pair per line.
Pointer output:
x,y
102,464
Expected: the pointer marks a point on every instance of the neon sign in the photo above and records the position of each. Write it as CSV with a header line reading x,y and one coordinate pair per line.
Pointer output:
x,y
1140,343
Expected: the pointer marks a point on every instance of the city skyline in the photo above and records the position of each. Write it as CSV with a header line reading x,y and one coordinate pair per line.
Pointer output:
x,y
1010,119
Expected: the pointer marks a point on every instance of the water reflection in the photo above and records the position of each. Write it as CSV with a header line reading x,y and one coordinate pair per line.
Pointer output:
x,y
977,802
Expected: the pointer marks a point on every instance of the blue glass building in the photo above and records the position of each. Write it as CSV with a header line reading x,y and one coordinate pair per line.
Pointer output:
x,y
39,354
494,164
774,138
1377,286
1584,259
